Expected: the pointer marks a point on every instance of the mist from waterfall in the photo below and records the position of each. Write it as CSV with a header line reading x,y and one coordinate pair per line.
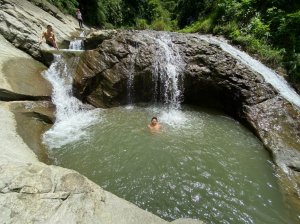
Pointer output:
x,y
270,76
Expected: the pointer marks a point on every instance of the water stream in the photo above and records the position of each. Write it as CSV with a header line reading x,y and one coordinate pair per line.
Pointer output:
x,y
270,76
202,165
72,116
167,71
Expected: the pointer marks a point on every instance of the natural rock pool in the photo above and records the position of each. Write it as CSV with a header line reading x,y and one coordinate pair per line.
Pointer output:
x,y
202,165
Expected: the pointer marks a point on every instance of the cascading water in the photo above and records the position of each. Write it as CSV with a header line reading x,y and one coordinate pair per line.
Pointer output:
x,y
77,44
167,78
130,82
269,75
72,116
167,72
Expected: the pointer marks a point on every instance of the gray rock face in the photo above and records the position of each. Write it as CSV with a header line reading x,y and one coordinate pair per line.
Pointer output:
x,y
22,23
210,75
37,193
20,75
211,78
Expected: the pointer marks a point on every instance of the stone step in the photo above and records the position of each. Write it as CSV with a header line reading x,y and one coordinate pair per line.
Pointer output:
x,y
79,38
64,51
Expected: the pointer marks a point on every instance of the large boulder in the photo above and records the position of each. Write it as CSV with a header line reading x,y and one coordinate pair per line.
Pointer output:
x,y
211,76
33,118
20,75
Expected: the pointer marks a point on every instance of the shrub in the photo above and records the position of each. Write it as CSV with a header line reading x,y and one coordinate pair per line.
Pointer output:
x,y
66,6
141,24
258,28
160,25
205,26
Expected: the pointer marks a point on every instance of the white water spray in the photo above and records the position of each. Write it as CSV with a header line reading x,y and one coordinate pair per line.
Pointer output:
x,y
72,116
77,44
167,77
270,76
130,82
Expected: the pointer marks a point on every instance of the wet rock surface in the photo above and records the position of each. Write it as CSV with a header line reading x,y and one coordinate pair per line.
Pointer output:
x,y
212,77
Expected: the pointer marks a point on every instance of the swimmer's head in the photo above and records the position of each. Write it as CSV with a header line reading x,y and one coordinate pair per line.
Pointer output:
x,y
154,120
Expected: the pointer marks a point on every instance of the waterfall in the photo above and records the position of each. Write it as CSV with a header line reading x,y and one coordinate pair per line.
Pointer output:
x,y
270,76
72,116
130,81
167,77
167,72
77,44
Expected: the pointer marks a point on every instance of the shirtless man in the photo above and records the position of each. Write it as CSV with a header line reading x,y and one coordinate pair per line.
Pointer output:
x,y
154,125
50,37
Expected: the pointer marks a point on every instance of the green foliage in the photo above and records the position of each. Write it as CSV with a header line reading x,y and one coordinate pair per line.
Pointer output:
x,y
205,25
129,13
66,6
255,46
229,29
113,12
160,25
238,10
268,28
141,24
257,28
189,11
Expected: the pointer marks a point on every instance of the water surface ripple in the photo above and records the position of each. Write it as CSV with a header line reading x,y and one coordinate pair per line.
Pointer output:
x,y
202,165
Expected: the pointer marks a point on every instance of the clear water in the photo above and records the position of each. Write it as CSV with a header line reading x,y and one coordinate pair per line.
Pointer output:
x,y
202,165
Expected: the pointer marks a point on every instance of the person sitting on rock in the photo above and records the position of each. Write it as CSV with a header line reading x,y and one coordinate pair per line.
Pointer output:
x,y
50,37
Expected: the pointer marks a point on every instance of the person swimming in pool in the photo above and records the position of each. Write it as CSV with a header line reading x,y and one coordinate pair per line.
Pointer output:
x,y
50,37
154,125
